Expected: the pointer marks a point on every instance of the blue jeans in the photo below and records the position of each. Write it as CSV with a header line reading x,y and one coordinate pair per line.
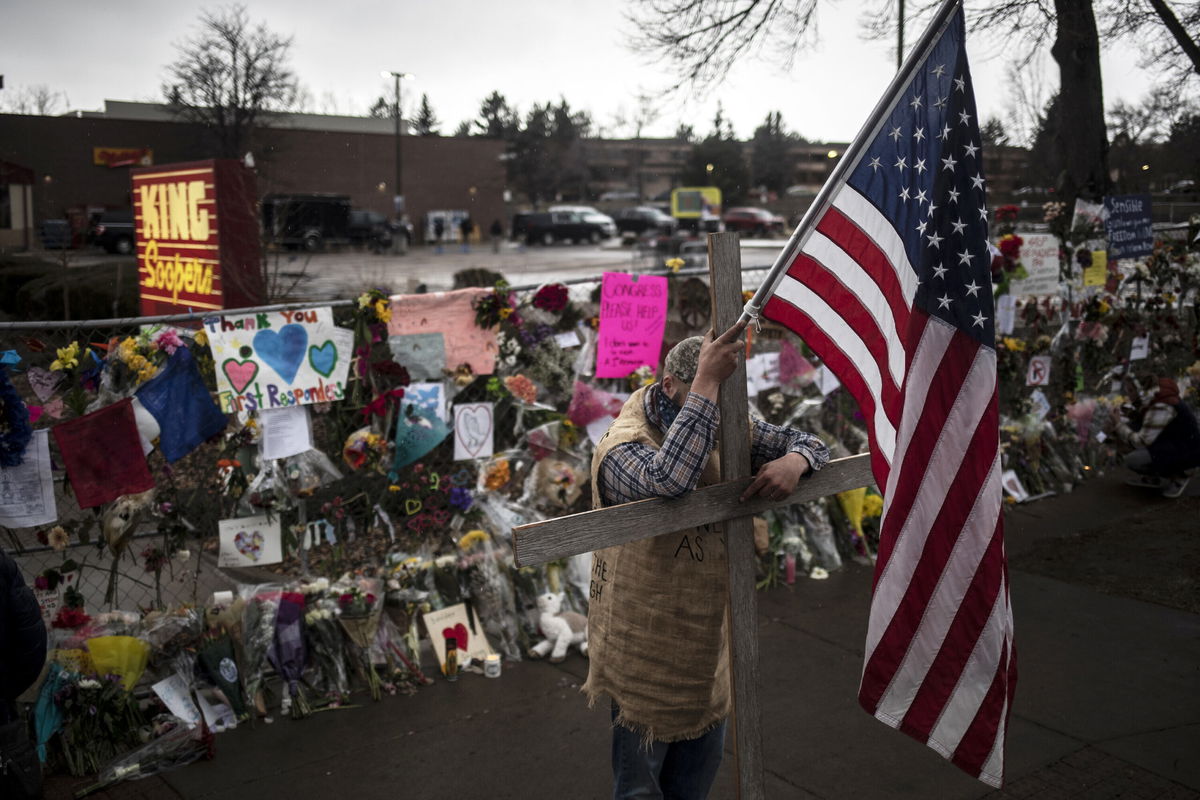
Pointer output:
x,y
667,770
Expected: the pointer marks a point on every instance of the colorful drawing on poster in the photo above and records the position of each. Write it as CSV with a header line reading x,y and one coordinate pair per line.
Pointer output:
x,y
473,429
416,434
250,541
429,397
278,359
452,314
633,315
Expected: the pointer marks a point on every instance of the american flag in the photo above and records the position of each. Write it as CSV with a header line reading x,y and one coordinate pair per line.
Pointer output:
x,y
891,288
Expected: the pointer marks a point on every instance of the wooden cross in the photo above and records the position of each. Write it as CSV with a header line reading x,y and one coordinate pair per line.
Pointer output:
x,y
540,542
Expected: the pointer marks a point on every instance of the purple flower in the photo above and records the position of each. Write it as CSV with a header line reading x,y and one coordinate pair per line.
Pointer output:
x,y
460,498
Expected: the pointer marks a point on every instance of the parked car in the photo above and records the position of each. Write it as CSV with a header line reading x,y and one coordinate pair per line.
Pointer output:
x,y
114,232
369,228
311,221
548,227
640,219
753,221
590,214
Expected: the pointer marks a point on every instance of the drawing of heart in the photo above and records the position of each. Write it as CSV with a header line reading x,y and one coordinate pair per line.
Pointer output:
x,y
240,373
459,632
282,351
474,428
249,544
323,358
412,506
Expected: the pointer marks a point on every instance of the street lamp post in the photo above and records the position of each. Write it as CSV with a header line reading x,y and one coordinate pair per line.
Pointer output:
x,y
401,239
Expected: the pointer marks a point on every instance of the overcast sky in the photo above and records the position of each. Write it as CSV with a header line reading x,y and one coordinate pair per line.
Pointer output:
x,y
460,50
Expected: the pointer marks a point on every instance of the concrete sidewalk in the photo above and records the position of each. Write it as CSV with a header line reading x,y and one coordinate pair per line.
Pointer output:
x,y
1107,705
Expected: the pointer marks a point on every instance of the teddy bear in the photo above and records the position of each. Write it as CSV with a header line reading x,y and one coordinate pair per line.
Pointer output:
x,y
560,629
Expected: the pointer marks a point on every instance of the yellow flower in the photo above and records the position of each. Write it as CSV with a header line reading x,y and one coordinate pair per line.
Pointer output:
x,y
470,538
364,300
67,357
382,312
147,373
201,338
674,264
393,488
505,312
1103,307
138,362
1016,345
872,505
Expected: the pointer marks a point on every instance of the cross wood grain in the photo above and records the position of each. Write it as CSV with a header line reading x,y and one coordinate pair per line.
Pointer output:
x,y
552,539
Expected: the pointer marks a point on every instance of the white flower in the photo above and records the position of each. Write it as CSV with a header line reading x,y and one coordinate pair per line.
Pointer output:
x,y
510,360
89,683
183,555
321,583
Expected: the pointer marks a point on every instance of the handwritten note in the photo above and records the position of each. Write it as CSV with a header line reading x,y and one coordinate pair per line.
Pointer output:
x,y
1128,224
27,490
633,315
453,316
1039,257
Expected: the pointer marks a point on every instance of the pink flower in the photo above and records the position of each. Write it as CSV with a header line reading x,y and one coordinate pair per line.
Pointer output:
x,y
168,340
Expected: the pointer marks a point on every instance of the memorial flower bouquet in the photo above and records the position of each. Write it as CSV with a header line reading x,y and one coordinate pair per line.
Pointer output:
x,y
324,640
289,653
100,720
258,635
360,612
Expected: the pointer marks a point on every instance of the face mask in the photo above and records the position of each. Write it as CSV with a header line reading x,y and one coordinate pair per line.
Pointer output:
x,y
668,407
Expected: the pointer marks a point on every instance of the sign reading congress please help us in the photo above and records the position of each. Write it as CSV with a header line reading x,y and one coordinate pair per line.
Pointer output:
x,y
633,315
196,227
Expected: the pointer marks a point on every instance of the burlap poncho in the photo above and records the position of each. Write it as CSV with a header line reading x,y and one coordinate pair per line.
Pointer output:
x,y
657,618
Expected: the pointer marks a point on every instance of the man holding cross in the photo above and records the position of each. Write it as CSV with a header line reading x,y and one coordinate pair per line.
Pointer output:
x,y
658,642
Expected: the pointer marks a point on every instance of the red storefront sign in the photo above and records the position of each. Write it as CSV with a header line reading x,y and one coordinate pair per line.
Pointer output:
x,y
197,237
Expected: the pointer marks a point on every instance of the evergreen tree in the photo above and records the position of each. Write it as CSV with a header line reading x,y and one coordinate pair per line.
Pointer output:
x,y
771,162
426,123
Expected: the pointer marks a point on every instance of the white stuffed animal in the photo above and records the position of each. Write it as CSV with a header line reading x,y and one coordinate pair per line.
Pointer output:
x,y
561,630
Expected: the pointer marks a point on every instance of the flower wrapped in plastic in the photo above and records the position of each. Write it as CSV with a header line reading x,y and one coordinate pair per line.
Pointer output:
x,y
258,635
122,656
491,593
100,720
324,641
288,652
174,745
361,604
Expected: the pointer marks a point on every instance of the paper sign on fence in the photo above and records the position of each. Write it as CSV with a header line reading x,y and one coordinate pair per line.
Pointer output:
x,y
1039,257
633,315
285,432
451,314
250,541
474,428
27,490
275,359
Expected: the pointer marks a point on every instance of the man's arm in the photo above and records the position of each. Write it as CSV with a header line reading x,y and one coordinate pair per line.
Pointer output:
x,y
633,471
781,457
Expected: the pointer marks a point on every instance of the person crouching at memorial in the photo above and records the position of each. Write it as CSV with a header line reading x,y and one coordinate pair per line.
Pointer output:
x,y
1166,437
657,630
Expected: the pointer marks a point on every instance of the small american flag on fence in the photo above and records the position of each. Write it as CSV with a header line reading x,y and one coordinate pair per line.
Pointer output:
x,y
890,285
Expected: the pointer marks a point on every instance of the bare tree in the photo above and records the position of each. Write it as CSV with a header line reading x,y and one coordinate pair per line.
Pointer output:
x,y
38,99
703,39
231,78
1167,39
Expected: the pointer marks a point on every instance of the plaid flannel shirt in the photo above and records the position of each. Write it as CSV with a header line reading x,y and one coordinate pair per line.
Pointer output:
x,y
633,471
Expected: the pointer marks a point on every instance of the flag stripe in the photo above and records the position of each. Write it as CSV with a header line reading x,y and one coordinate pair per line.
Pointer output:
x,y
979,739
939,583
799,321
855,356
865,302
829,287
882,231
918,475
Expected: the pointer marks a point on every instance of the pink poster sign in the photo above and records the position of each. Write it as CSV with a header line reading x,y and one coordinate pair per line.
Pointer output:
x,y
452,315
633,315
